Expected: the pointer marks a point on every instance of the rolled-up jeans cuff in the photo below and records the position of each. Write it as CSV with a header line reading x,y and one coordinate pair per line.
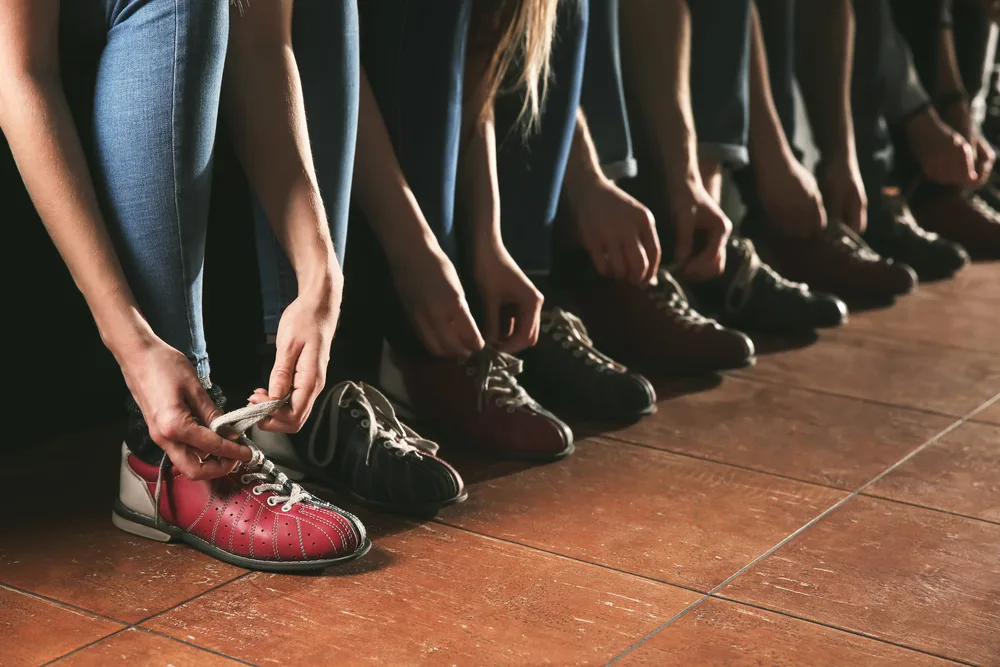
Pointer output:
x,y
201,365
621,169
730,155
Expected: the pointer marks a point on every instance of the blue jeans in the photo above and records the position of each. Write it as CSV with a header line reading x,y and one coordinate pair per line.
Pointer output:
x,y
146,102
531,169
720,78
326,41
414,55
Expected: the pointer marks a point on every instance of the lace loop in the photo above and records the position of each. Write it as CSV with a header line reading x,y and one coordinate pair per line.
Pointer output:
x,y
495,374
379,419
568,329
667,295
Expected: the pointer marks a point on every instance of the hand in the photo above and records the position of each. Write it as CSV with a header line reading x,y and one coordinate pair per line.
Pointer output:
x,y
791,198
618,232
958,115
843,191
943,154
695,212
512,307
432,293
176,408
305,333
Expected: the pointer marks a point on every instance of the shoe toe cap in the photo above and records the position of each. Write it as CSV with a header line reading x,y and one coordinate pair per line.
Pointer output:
x,y
828,311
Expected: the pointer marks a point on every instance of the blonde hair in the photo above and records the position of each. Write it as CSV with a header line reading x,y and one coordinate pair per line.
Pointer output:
x,y
525,46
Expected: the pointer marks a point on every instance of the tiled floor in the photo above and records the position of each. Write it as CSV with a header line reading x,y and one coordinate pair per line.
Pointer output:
x,y
838,505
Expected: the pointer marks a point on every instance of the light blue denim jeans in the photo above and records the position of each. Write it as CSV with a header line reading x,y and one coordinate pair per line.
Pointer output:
x,y
144,79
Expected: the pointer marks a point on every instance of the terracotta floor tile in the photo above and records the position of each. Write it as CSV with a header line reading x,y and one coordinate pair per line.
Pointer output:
x,y
909,575
68,549
919,375
35,631
137,647
431,595
935,316
959,473
718,632
975,283
813,437
990,414
672,518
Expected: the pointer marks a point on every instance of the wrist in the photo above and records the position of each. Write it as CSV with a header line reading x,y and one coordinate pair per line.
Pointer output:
x,y
124,333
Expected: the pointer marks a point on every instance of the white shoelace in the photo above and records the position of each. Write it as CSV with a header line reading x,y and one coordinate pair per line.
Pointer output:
x,y
668,296
846,239
496,373
568,330
379,418
258,467
740,291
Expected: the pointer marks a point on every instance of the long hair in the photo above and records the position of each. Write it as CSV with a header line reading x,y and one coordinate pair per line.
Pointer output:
x,y
520,61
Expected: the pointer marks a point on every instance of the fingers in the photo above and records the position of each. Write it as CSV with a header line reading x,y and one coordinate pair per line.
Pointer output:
x,y
636,260
599,257
970,163
201,403
428,335
685,237
619,262
491,316
283,372
526,324
985,159
468,333
178,426
651,244
193,466
711,262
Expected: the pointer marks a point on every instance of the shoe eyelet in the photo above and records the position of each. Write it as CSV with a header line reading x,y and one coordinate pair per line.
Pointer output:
x,y
355,413
286,508
244,480
400,454
365,423
270,503
386,445
510,409
256,491
498,403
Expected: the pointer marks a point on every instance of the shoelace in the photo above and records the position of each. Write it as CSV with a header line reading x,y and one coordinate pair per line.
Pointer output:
x,y
983,208
258,467
668,296
495,373
850,243
741,289
379,418
568,330
899,212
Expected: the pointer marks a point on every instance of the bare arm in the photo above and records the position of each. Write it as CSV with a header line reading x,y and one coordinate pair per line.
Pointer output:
x,y
36,120
262,100
825,59
768,142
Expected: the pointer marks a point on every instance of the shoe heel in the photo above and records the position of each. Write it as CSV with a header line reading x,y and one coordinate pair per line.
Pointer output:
x,y
139,529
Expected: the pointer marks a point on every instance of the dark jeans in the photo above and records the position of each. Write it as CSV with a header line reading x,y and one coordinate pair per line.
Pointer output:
x,y
413,52
325,40
603,95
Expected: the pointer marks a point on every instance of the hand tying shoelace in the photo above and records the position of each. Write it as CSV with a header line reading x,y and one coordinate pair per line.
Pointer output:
x,y
237,423
495,373
741,289
380,419
668,296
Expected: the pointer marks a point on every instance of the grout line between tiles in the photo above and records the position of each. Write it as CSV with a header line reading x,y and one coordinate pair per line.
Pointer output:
x,y
573,559
199,647
856,633
135,626
705,459
85,646
822,515
836,394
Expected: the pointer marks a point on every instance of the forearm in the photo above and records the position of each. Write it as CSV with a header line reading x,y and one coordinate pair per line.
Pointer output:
x,y
583,168
380,188
825,60
656,54
36,120
263,104
949,77
479,185
767,137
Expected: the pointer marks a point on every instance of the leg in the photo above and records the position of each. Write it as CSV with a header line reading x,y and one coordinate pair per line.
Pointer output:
x,y
602,96
531,170
154,118
325,39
